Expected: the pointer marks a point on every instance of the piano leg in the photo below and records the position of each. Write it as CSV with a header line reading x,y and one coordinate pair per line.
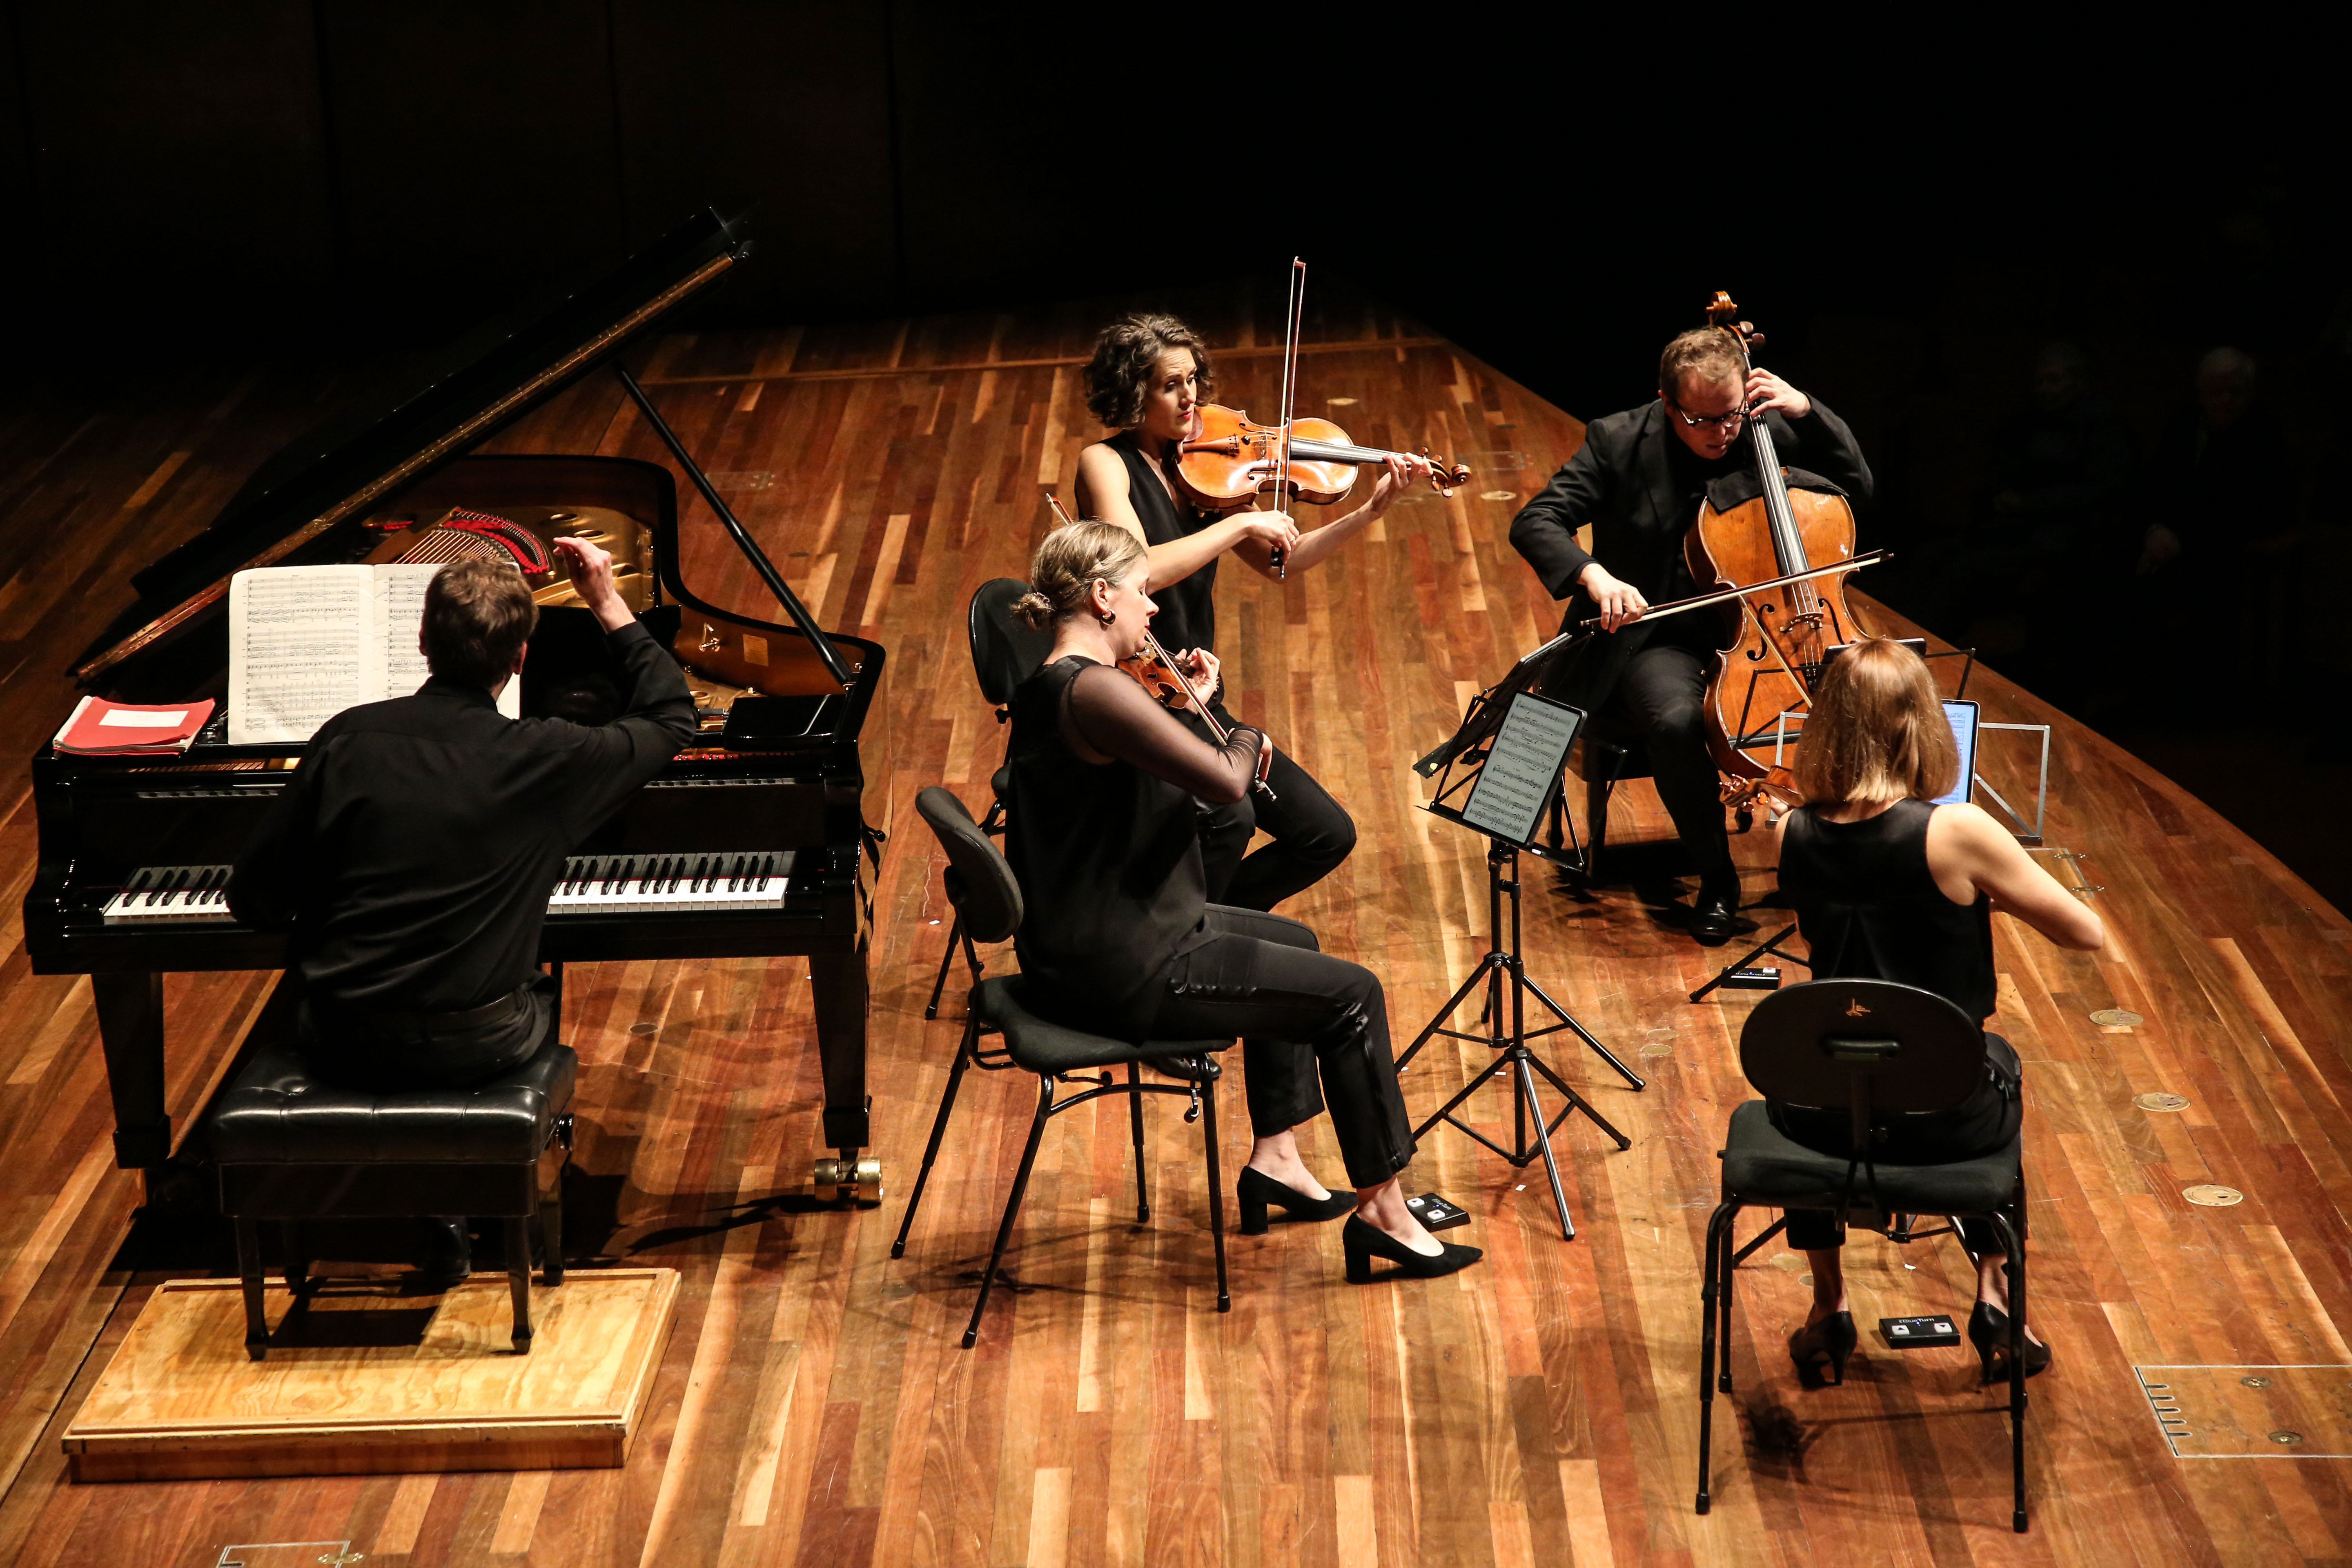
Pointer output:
x,y
131,1030
841,1013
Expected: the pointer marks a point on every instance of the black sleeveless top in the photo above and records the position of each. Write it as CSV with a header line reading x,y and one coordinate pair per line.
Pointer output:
x,y
1109,859
1870,908
1188,610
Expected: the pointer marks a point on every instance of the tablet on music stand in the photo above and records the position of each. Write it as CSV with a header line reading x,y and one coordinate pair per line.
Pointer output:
x,y
1522,768
1960,713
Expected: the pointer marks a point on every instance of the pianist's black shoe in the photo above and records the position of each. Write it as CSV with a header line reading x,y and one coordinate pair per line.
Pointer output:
x,y
445,1253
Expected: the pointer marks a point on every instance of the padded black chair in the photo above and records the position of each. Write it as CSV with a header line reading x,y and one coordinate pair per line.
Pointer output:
x,y
1868,1048
292,1148
1605,755
1005,651
988,900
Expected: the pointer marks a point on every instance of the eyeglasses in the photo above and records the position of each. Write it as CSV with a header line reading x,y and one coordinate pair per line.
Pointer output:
x,y
1720,421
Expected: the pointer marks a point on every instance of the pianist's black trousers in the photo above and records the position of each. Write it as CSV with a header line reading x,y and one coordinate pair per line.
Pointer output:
x,y
355,1050
1302,1016
394,1051
1312,833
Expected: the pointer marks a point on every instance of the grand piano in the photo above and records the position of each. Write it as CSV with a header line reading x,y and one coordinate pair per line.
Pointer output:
x,y
754,841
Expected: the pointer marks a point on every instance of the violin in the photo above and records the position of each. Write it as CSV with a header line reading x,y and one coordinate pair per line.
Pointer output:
x,y
1794,549
1228,461
1158,673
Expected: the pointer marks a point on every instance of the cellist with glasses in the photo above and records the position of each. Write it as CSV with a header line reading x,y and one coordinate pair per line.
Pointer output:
x,y
1639,481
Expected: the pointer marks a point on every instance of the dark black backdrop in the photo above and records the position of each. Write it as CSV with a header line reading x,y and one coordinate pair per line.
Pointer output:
x,y
1910,217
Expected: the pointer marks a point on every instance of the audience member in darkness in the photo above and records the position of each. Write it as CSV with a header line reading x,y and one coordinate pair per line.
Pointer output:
x,y
2219,495
2062,471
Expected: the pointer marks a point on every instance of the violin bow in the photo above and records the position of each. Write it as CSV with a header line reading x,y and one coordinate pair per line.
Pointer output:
x,y
1199,706
1291,317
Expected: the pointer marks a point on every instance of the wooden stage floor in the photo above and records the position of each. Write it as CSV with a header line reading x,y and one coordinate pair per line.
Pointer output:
x,y
814,1407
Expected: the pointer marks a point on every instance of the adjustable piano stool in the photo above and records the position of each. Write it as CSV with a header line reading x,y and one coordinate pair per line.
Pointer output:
x,y
291,1148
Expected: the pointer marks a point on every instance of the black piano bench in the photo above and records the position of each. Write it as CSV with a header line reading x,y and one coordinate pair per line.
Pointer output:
x,y
291,1148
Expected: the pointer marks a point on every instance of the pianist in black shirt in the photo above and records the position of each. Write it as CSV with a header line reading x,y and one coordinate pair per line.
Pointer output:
x,y
414,855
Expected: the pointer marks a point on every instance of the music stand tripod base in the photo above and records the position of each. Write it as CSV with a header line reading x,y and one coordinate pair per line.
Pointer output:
x,y
1532,1131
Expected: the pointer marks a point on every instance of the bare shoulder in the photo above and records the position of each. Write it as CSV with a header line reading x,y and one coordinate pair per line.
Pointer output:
x,y
1102,468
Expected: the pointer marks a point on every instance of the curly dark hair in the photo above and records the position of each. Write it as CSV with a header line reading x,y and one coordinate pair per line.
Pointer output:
x,y
1121,368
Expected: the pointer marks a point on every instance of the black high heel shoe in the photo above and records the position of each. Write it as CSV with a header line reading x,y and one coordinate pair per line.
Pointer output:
x,y
1365,1242
1988,1332
1832,1340
1257,1189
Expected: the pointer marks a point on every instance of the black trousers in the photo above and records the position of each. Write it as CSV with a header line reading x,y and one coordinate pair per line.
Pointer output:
x,y
1303,1017
363,1050
1312,833
1984,1123
1662,694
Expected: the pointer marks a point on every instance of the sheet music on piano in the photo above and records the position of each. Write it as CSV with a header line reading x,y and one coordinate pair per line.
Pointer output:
x,y
307,642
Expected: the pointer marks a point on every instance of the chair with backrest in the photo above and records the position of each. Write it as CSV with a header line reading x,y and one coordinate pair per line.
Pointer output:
x,y
1606,754
988,900
1870,1048
294,1149
1005,651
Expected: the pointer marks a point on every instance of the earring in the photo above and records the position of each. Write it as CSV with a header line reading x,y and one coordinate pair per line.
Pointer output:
x,y
1107,616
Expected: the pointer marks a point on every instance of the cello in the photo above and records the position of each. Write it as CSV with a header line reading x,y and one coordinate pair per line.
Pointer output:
x,y
1785,630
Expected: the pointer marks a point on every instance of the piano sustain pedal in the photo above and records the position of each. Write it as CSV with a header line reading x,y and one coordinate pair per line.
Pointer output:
x,y
856,1178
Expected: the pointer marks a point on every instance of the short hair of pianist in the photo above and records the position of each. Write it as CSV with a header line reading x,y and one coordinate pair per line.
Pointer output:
x,y
1127,351
478,615
1876,729
1067,565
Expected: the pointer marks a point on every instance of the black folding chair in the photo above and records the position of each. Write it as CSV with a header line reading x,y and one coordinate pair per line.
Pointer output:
x,y
988,902
1871,1048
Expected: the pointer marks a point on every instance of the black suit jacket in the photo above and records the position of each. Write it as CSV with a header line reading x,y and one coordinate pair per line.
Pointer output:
x,y
1639,486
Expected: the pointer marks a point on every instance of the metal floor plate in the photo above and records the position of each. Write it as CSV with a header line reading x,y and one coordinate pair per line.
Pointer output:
x,y
2251,1411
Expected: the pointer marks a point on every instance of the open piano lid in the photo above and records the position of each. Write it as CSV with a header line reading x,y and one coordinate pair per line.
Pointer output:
x,y
345,466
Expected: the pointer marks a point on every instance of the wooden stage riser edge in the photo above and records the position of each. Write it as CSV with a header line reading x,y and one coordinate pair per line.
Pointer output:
x,y
590,1451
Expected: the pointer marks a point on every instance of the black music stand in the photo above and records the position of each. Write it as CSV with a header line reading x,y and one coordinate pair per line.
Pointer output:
x,y
1517,741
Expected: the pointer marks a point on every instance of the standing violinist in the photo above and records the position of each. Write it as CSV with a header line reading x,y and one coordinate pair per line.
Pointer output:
x,y
1147,373
1638,481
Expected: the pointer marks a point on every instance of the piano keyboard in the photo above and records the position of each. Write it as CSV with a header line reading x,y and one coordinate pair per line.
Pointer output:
x,y
170,895
601,884
592,884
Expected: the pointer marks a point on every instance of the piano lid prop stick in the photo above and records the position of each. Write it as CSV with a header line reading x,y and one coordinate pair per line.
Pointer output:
x,y
766,568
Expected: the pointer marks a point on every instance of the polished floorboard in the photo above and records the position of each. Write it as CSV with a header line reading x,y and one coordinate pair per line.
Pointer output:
x,y
814,1407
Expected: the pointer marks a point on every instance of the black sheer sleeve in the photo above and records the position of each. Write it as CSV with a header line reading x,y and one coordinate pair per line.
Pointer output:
x,y
1106,713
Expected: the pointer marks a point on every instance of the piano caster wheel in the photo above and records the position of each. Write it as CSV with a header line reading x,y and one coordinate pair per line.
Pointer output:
x,y
854,1180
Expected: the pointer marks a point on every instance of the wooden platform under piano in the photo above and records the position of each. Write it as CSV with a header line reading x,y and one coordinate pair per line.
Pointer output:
x,y
365,1381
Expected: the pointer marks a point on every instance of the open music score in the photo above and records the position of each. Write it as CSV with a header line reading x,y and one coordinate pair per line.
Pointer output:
x,y
592,884
307,642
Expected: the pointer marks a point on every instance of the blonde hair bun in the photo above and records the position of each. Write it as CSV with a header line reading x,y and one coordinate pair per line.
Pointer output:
x,y
1069,563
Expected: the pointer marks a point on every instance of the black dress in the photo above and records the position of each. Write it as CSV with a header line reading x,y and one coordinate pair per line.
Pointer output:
x,y
1119,938
1869,907
1311,831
